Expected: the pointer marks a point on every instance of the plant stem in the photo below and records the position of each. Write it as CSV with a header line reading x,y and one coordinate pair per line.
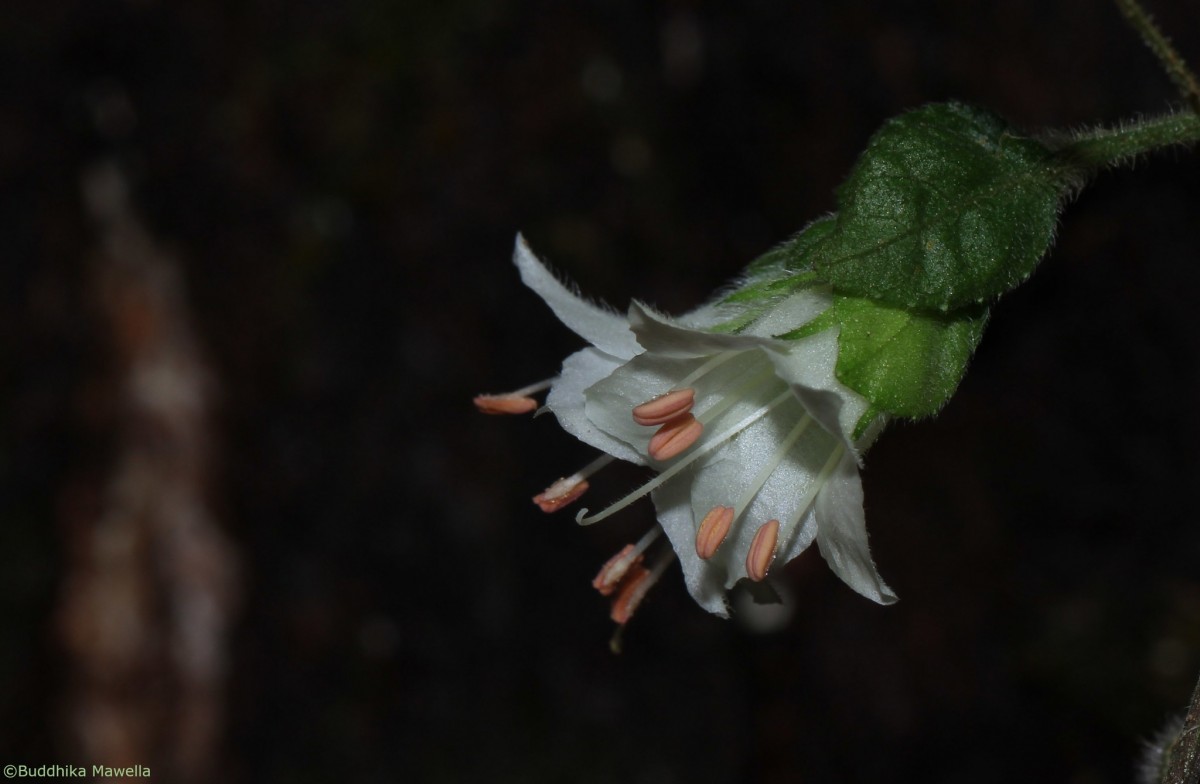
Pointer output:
x,y
1184,765
1174,65
1098,148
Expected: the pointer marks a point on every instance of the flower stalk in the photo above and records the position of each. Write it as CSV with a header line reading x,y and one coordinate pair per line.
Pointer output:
x,y
1094,149
1175,66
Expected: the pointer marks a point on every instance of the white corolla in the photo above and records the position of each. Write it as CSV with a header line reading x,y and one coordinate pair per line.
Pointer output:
x,y
750,436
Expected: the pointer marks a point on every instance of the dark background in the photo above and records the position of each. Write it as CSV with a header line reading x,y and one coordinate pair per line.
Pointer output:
x,y
340,185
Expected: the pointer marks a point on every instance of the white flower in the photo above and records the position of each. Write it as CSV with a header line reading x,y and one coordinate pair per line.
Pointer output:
x,y
749,434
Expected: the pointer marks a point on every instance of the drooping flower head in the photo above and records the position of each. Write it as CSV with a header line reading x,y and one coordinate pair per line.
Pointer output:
x,y
755,410
751,436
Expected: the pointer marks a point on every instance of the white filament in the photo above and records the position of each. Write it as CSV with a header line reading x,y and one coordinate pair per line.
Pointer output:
x,y
811,493
784,447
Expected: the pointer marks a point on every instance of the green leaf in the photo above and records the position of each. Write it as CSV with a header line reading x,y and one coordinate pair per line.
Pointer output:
x,y
906,362
945,208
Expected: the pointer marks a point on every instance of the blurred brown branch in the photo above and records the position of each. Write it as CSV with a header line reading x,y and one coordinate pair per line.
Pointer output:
x,y
150,581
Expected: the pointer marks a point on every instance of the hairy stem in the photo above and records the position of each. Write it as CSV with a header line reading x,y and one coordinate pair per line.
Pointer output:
x,y
1184,756
1099,148
1174,65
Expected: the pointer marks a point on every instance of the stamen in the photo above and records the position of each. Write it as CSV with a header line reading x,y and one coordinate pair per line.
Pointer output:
x,y
570,488
762,551
708,446
664,408
504,404
675,437
615,570
634,589
562,492
713,530
516,402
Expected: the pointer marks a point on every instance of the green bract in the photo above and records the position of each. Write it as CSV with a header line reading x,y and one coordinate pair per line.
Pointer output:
x,y
907,362
945,208
945,211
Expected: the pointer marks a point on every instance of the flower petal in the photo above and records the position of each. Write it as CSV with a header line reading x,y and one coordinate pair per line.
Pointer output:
x,y
729,475
604,329
810,366
704,582
791,313
842,533
610,402
566,399
666,338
